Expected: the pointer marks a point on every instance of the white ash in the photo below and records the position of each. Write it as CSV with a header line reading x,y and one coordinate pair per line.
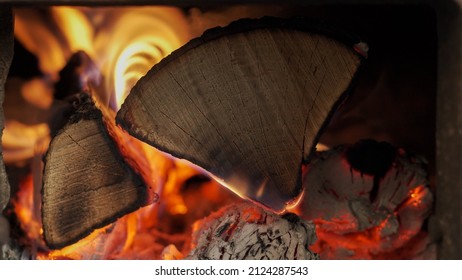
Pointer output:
x,y
339,200
245,231
12,251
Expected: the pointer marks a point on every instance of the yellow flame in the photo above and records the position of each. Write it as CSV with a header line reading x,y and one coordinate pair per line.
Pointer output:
x,y
131,65
75,22
124,42
31,30
136,41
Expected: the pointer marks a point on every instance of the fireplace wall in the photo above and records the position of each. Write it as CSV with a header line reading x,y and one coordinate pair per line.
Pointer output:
x,y
446,222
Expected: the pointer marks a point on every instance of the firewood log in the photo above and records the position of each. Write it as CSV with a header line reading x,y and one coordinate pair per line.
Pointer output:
x,y
86,183
6,56
245,231
366,199
246,102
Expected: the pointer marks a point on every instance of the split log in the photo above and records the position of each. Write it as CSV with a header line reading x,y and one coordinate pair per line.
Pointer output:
x,y
6,56
86,183
245,231
366,199
245,102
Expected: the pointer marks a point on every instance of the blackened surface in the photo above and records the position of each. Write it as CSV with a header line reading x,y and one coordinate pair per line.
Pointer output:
x,y
25,64
371,157
395,97
71,110
71,76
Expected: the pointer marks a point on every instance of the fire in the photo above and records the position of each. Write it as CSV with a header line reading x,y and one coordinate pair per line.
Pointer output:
x,y
373,242
143,234
130,59
124,44
24,208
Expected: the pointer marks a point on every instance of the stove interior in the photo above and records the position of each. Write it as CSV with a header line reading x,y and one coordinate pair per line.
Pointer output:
x,y
59,51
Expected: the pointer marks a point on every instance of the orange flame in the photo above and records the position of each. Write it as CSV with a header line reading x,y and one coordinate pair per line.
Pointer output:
x,y
124,43
23,206
370,243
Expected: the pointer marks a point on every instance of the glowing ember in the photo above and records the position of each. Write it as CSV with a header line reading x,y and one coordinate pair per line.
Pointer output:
x,y
140,235
362,215
125,43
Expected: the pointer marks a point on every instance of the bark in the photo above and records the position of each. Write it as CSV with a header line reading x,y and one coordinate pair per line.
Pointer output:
x,y
245,102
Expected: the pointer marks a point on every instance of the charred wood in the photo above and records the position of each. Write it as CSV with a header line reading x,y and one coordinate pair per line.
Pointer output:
x,y
367,199
86,183
245,231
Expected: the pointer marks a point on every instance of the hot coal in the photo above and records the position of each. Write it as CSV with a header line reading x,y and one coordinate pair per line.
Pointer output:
x,y
245,231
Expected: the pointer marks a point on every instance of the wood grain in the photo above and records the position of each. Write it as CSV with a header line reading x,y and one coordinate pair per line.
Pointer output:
x,y
245,102
86,182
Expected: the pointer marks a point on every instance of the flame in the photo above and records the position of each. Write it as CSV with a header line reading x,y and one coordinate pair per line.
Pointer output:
x,y
142,234
138,235
23,206
370,243
140,47
124,43
73,21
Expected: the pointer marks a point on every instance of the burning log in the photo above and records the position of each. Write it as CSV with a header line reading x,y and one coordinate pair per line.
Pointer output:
x,y
245,231
245,102
6,51
367,200
86,183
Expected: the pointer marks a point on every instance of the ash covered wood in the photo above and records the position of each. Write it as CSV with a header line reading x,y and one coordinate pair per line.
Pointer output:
x,y
86,183
366,199
6,56
13,251
245,231
245,102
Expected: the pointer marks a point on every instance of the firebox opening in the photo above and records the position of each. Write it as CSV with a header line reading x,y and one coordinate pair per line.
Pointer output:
x,y
393,101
